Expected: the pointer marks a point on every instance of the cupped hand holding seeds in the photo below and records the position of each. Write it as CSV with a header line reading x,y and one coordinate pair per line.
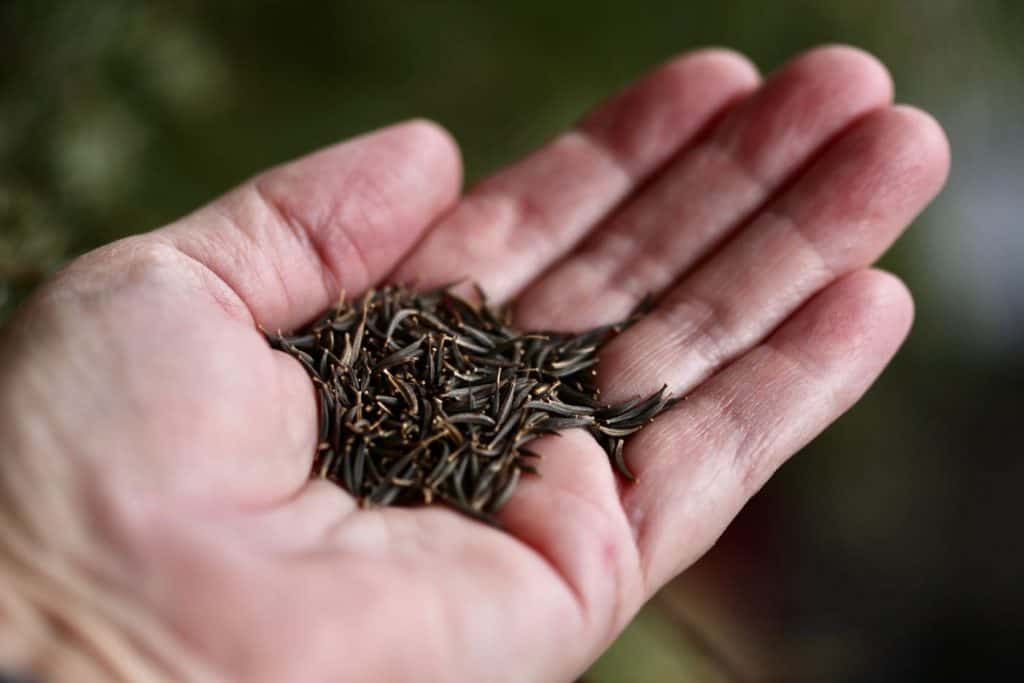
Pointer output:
x,y
158,516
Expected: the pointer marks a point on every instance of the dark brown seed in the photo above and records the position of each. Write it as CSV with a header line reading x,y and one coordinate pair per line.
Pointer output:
x,y
506,490
560,423
471,418
559,408
358,468
406,355
396,320
346,465
306,342
619,460
618,431
642,411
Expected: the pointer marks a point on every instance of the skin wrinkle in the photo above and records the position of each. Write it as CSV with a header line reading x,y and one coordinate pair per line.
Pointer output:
x,y
572,588
621,606
530,220
607,250
365,218
748,457
306,236
212,283
839,332
712,452
664,261
198,245
849,71
828,266
706,456
675,82
252,251
743,150
718,336
711,70
610,254
705,334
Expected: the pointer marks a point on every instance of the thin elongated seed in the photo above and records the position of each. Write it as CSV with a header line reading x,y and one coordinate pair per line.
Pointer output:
x,y
560,423
407,393
343,323
471,418
386,494
506,428
574,368
326,462
611,411
479,335
457,476
307,362
506,490
346,465
346,355
386,487
436,322
427,415
567,362
359,467
439,361
466,343
559,408
444,468
404,355
430,357
619,460
482,490
305,342
523,393
642,410
618,431
496,403
396,320
495,362
457,356
357,339
506,405
325,416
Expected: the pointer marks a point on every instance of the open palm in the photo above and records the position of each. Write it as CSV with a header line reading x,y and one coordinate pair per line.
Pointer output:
x,y
752,212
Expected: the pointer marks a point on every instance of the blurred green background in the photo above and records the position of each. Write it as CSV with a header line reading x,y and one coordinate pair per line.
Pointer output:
x,y
888,550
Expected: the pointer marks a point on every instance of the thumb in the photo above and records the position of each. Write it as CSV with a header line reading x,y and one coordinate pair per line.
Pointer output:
x,y
290,240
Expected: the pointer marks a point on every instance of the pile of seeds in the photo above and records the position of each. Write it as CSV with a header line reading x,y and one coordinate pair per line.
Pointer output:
x,y
425,397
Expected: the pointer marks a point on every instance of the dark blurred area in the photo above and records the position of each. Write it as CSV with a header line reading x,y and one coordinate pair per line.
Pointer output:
x,y
886,550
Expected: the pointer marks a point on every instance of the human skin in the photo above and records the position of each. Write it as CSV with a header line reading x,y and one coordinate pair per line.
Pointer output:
x,y
157,520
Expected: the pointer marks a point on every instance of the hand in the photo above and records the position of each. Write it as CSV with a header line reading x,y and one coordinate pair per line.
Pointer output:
x,y
161,449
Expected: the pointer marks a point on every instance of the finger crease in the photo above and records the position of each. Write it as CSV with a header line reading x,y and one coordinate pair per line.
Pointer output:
x,y
306,236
